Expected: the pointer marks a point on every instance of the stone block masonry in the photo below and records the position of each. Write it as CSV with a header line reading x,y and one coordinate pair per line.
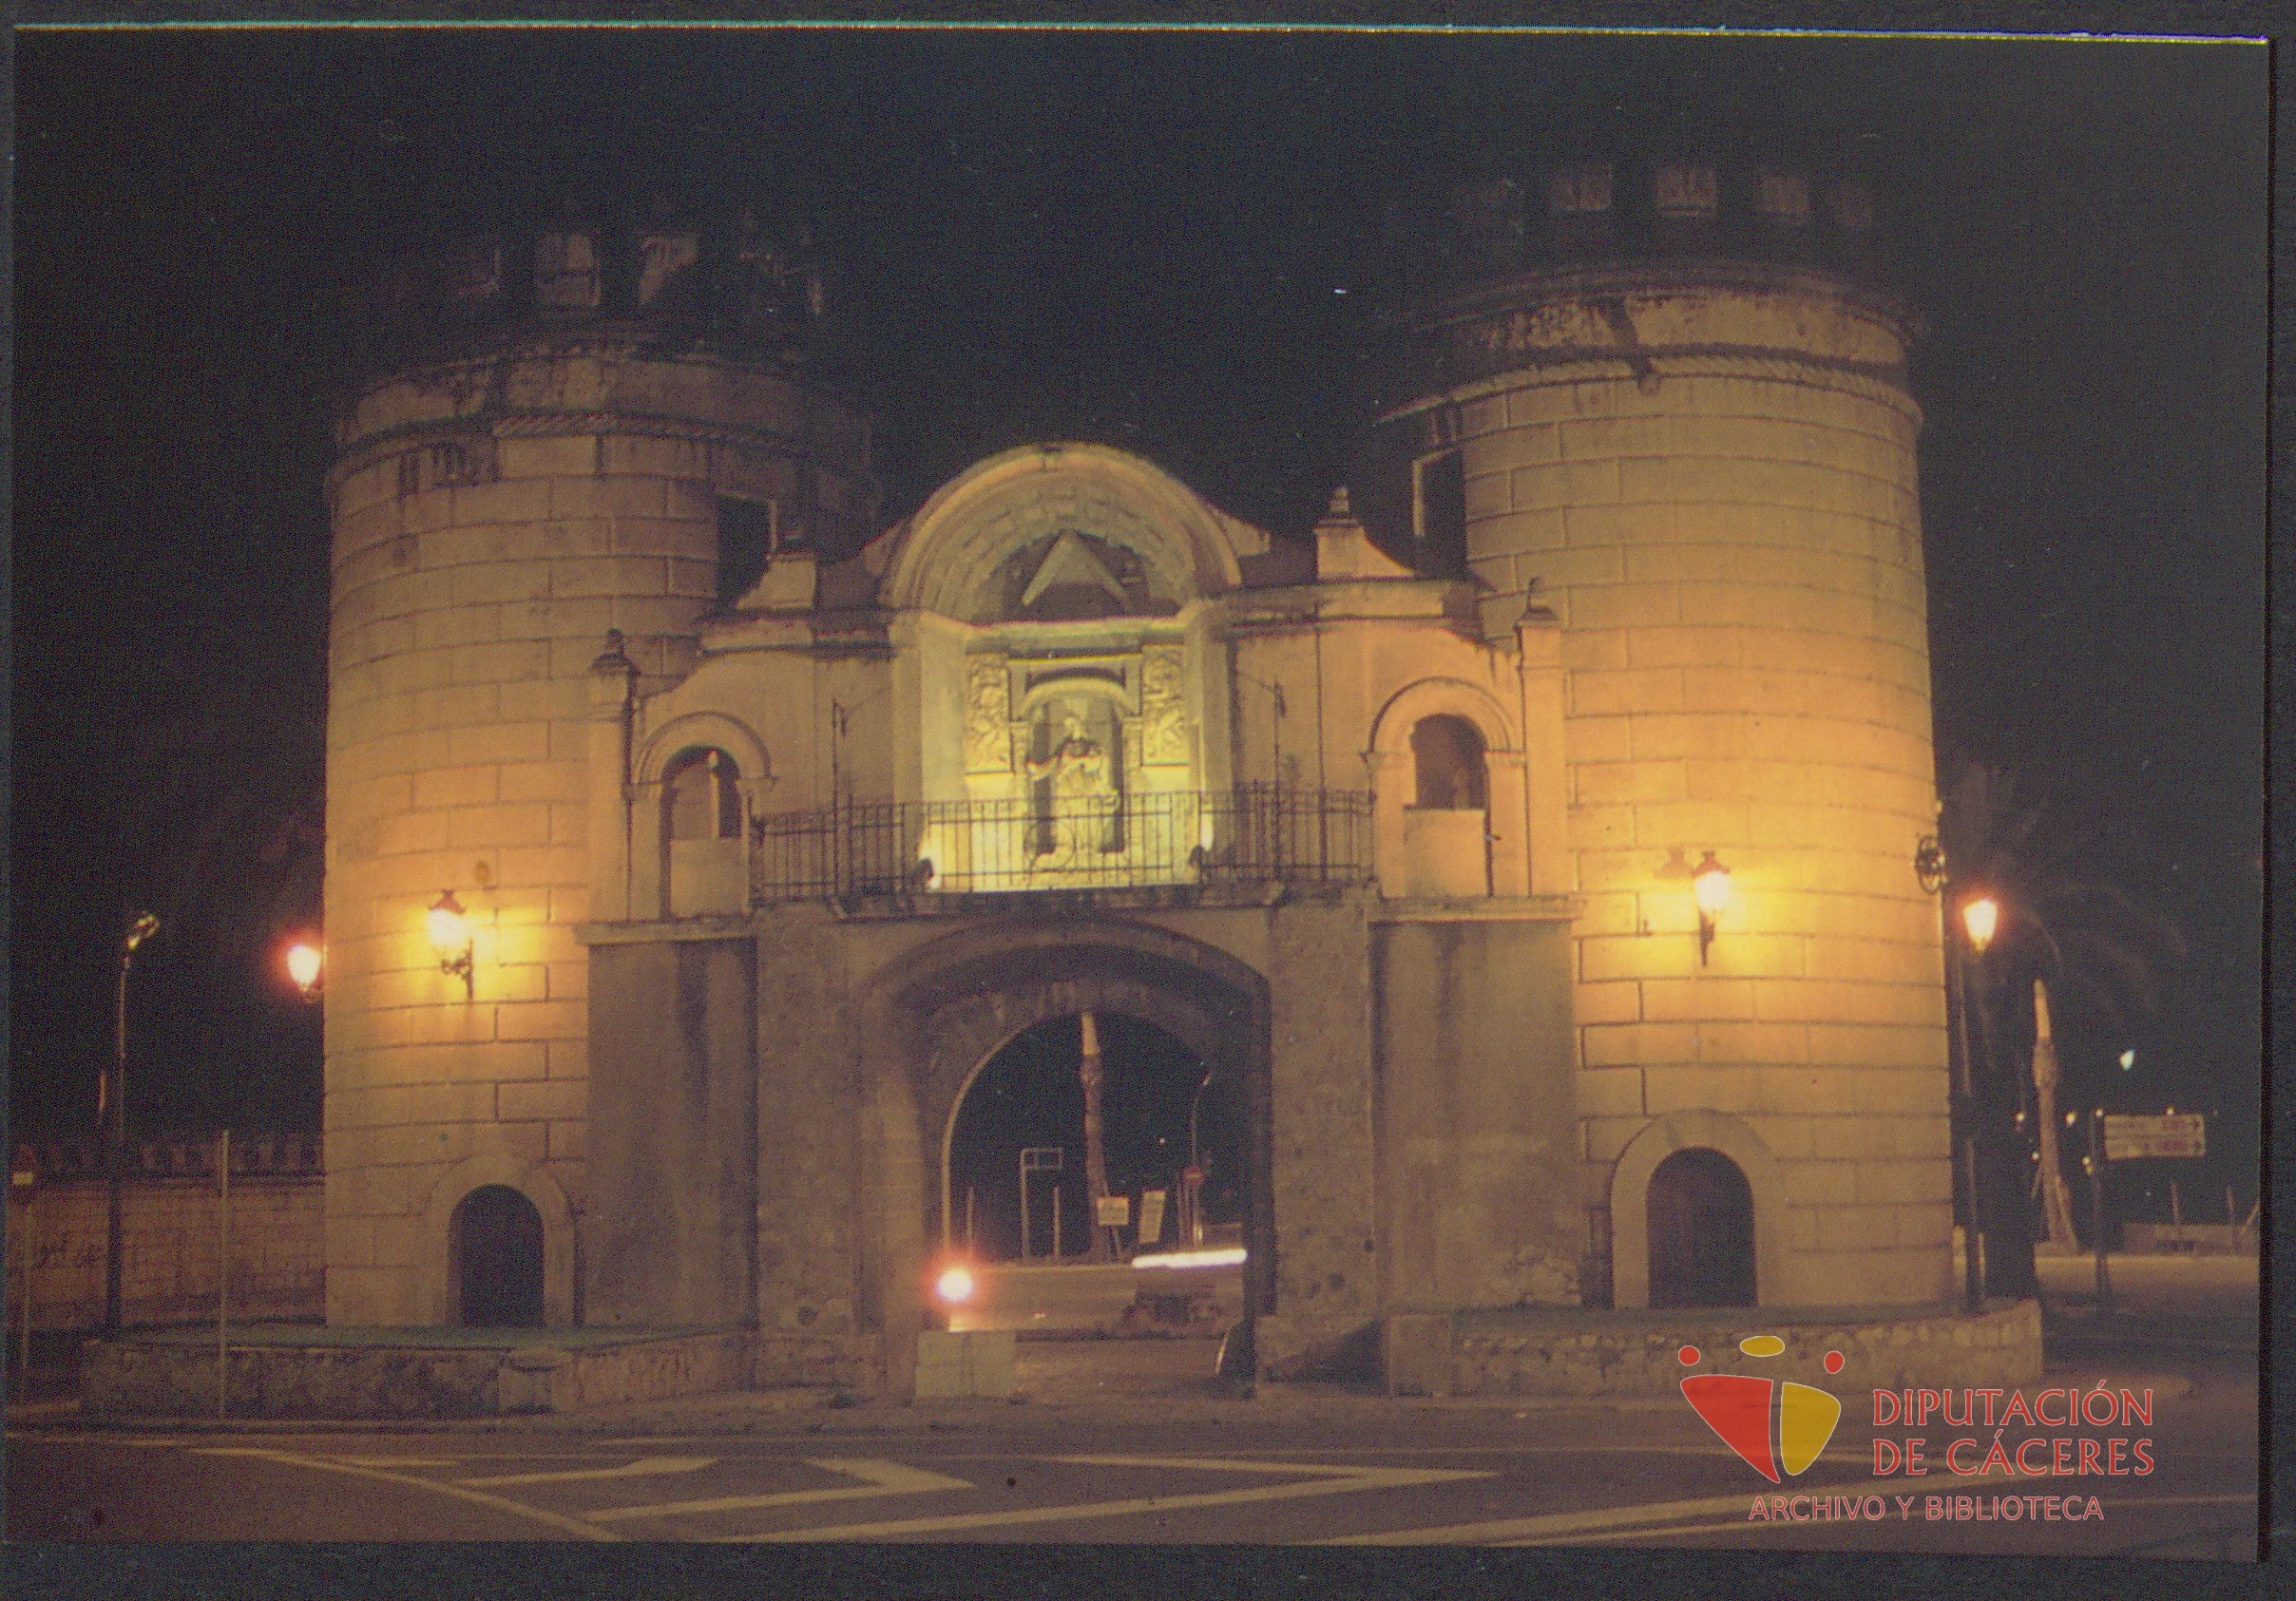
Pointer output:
x,y
1501,1353
169,1251
495,514
1708,476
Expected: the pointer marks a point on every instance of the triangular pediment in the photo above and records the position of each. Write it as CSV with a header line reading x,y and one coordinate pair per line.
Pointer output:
x,y
1072,564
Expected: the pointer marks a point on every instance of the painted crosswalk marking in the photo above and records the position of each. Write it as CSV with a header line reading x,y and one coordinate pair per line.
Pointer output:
x,y
878,1477
644,1467
575,1526
1306,1478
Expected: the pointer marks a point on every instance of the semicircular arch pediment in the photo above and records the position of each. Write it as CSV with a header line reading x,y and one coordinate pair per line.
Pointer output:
x,y
1060,532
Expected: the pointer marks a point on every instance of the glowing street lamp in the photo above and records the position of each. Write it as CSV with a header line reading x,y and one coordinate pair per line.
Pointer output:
x,y
450,931
304,963
1981,916
111,1112
1710,887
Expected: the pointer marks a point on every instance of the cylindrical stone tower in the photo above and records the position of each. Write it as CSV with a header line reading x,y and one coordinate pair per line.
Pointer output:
x,y
1667,403
575,428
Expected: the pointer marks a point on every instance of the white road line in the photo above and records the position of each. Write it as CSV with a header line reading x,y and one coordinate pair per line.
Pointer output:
x,y
1656,1531
2112,1501
477,1498
878,1479
27,1437
1529,1531
395,1462
1331,1479
1652,1516
644,1467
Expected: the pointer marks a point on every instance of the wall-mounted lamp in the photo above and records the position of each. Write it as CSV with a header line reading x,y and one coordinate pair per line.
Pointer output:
x,y
1709,886
304,965
449,932
1981,916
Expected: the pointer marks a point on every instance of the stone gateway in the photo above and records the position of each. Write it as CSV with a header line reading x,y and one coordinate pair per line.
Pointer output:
x,y
774,825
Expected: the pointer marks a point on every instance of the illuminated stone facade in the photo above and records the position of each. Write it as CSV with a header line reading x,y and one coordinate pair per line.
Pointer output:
x,y
1397,820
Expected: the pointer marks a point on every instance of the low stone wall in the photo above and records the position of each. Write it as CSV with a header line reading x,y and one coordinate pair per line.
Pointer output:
x,y
550,1379
2203,1239
1578,1353
394,1378
150,1379
852,1362
1293,1347
170,1242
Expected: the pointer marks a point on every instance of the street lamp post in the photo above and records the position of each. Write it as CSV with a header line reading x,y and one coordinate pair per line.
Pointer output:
x,y
1929,868
2009,1268
112,1112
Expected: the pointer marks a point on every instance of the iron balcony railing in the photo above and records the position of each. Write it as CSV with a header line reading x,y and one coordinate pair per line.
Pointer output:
x,y
1254,834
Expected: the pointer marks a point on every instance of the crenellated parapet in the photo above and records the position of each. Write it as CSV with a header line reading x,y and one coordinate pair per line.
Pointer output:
x,y
1670,208
726,281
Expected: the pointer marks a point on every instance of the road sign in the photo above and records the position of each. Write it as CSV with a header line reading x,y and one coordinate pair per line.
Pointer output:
x,y
1113,1212
1152,1216
2127,1138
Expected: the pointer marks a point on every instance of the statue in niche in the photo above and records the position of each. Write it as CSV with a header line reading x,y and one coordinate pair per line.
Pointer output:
x,y
1074,788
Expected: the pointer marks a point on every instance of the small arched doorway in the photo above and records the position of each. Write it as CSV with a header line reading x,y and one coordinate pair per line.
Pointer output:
x,y
1701,1232
497,1249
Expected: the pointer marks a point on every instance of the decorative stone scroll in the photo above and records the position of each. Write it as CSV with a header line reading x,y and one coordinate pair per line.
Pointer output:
x,y
1164,735
987,716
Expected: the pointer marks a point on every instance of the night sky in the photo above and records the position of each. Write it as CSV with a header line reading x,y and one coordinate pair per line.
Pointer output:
x,y
1167,242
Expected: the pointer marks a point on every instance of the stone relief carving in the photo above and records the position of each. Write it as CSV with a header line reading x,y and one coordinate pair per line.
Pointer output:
x,y
1164,737
987,716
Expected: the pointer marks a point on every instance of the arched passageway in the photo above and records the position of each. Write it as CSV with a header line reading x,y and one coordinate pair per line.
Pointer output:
x,y
1163,1112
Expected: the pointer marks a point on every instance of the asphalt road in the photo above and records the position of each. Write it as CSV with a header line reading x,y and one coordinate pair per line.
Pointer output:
x,y
1130,1440
1350,1470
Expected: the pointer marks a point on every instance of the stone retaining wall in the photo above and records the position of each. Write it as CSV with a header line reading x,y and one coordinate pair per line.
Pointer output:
x,y
175,1378
1494,1354
169,1249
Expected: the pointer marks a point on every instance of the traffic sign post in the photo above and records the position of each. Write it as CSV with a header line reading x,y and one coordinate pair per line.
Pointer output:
x,y
1152,1220
2172,1136
2122,1136
1040,1158
2097,1209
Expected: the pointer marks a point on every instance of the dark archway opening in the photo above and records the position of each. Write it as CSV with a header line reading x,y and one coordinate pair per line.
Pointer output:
x,y
1155,1094
1448,764
1701,1233
497,1245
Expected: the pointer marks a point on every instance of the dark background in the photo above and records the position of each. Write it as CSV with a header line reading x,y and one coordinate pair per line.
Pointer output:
x,y
1168,241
